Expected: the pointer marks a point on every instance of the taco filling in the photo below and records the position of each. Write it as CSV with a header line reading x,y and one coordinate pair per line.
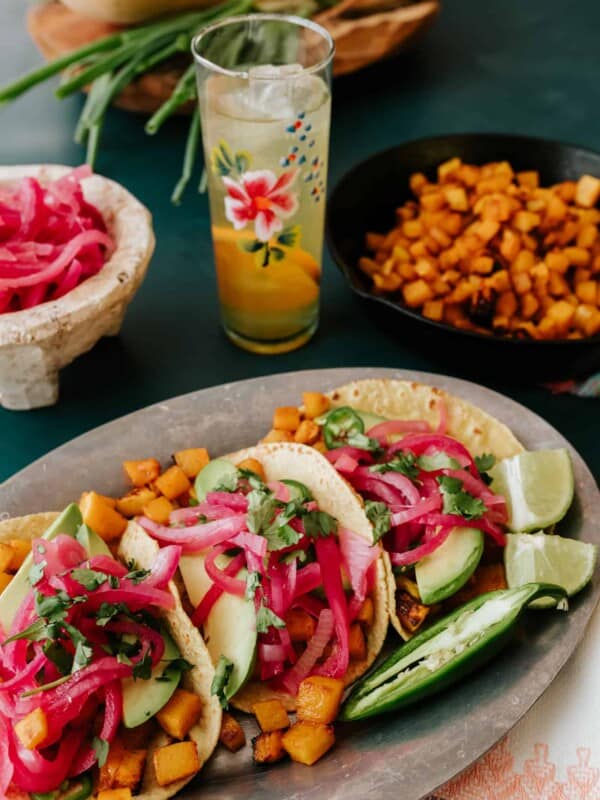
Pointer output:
x,y
281,588
89,673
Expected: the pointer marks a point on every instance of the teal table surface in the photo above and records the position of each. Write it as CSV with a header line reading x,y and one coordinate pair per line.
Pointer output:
x,y
500,65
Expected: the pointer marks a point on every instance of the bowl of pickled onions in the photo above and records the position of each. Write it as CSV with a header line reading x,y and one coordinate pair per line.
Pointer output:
x,y
74,249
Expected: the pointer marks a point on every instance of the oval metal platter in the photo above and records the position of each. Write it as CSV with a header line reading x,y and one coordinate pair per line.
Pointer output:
x,y
408,755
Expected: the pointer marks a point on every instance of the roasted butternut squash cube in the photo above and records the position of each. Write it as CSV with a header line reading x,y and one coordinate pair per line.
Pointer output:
x,y
278,436
416,293
114,794
268,747
587,191
158,510
109,501
130,769
142,472
319,699
253,465
175,762
529,179
20,551
108,771
357,643
307,743
587,292
578,256
411,612
180,714
456,197
232,734
286,418
5,579
271,715
366,615
132,504
173,482
308,432
300,625
32,730
315,404
192,460
101,518
6,556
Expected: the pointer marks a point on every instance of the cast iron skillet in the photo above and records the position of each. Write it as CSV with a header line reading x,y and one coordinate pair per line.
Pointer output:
x,y
365,200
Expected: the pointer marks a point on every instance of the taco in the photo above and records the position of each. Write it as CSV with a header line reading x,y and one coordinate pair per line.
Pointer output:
x,y
105,684
281,573
418,456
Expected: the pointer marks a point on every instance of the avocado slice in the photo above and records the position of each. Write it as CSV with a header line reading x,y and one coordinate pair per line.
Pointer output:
x,y
216,474
443,572
230,628
94,545
17,590
142,699
369,420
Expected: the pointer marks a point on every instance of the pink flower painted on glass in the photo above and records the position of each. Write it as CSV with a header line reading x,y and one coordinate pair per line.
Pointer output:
x,y
263,198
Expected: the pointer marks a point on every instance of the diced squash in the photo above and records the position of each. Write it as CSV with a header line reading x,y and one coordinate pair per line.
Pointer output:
x,y
101,518
21,550
32,730
319,699
5,579
416,293
286,418
366,615
192,460
232,734
130,769
308,432
561,313
587,191
137,738
109,501
411,613
578,256
158,510
528,178
307,743
180,714
300,625
456,197
6,556
132,504
142,472
448,168
278,436
173,482
434,309
175,762
357,643
587,235
529,305
587,292
271,715
114,794
267,748
507,304
253,465
108,771
521,283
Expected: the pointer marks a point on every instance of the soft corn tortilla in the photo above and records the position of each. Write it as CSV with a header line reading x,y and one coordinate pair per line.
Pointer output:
x,y
136,545
407,400
333,495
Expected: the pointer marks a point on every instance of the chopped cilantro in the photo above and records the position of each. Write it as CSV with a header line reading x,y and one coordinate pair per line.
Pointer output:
x,y
108,611
137,575
219,683
90,579
57,654
403,462
53,608
100,747
296,555
319,523
33,633
457,501
281,536
143,668
380,518
261,508
266,619
485,462
83,656
193,502
252,584
252,478
113,582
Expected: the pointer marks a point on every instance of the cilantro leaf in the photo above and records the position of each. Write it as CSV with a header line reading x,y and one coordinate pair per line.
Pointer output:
x,y
83,655
90,579
252,584
485,462
100,747
280,536
319,523
53,608
193,502
261,508
403,462
435,461
108,611
137,575
364,442
380,518
113,582
296,555
266,619
253,479
143,668
33,633
36,573
174,669
219,683
459,502
57,654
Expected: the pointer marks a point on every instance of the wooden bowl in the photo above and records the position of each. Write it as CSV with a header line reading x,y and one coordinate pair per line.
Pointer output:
x,y
364,31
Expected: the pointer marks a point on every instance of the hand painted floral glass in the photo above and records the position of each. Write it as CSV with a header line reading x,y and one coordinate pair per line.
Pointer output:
x,y
265,103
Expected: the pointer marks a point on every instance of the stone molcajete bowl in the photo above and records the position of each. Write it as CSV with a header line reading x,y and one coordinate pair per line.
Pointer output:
x,y
37,342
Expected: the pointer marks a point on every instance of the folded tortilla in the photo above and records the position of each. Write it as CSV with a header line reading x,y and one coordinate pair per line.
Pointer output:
x,y
143,551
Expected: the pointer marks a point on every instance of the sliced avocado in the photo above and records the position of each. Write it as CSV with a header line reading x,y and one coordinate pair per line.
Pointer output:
x,y
94,545
142,699
230,629
369,420
443,572
12,597
216,474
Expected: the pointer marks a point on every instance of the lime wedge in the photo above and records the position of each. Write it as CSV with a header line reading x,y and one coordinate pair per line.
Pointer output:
x,y
538,487
546,558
